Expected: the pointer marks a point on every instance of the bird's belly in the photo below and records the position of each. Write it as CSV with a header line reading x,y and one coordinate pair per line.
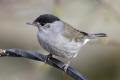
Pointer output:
x,y
59,46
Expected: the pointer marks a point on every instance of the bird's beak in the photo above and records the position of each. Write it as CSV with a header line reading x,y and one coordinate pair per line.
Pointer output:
x,y
28,23
34,24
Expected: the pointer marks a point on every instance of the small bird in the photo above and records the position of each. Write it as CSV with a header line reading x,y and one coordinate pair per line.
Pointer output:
x,y
61,39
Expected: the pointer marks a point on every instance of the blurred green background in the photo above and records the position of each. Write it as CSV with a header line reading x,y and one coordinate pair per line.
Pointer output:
x,y
99,60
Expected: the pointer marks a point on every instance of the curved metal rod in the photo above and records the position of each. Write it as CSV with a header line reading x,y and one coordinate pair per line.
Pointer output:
x,y
40,57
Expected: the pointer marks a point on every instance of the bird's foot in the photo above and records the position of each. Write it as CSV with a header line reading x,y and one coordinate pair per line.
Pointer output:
x,y
66,67
48,57
2,52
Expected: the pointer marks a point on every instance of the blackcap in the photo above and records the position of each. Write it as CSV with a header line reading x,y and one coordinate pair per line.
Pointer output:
x,y
61,39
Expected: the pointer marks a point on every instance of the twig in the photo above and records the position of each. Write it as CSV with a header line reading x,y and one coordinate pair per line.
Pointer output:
x,y
40,57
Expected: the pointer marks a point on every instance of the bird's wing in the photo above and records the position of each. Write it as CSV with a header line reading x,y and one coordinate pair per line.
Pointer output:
x,y
72,33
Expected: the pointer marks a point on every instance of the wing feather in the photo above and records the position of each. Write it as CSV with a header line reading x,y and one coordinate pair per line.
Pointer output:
x,y
72,33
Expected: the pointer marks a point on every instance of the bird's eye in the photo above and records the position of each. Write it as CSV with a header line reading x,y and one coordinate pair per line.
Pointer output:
x,y
47,25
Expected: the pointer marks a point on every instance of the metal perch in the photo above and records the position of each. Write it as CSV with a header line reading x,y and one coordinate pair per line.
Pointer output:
x,y
40,57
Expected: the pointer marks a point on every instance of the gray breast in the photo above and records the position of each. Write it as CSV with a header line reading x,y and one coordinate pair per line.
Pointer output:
x,y
52,49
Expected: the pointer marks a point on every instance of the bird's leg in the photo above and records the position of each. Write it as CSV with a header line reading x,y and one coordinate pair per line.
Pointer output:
x,y
68,63
48,57
66,66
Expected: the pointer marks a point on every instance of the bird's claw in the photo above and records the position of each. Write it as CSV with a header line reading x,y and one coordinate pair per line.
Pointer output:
x,y
2,52
66,67
48,57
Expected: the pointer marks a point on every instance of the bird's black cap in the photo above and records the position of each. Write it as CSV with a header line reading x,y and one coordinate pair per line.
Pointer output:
x,y
46,18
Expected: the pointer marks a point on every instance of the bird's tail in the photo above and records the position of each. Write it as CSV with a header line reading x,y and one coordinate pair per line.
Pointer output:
x,y
100,35
96,35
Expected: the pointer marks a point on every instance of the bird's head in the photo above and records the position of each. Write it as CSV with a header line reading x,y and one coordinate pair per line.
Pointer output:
x,y
44,19
49,22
